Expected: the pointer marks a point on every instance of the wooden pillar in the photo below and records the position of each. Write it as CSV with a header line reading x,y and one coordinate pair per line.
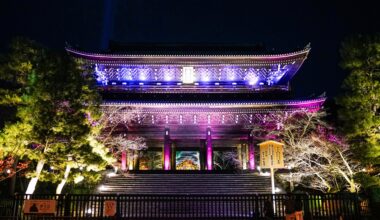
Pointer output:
x,y
209,153
202,154
239,147
172,155
130,159
167,150
244,155
124,160
251,153
136,159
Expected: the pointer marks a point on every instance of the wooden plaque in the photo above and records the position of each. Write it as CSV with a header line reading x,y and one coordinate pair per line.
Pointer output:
x,y
109,208
40,206
271,154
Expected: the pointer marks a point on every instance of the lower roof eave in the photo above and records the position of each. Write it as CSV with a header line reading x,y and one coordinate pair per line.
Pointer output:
x,y
305,103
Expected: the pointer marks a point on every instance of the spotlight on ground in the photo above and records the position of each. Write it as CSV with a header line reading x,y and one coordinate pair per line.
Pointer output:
x,y
264,174
111,174
101,188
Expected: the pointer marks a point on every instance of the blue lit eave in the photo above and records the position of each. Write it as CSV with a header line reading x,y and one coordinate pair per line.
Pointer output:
x,y
221,76
211,71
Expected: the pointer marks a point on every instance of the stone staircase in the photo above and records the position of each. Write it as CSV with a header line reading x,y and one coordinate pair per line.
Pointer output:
x,y
186,183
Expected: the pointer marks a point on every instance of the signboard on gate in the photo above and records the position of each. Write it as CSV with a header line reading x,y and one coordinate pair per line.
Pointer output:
x,y
271,154
40,206
109,208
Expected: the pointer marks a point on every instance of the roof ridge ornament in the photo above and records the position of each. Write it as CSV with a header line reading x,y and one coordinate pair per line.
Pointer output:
x,y
323,95
308,46
67,45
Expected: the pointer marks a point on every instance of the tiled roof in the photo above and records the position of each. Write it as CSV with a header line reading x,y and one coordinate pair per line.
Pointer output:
x,y
184,54
194,97
188,49
211,99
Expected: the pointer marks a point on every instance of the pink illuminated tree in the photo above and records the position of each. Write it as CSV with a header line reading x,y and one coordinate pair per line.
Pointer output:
x,y
114,124
316,157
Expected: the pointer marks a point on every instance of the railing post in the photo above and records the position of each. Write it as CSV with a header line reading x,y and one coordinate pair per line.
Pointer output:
x,y
118,206
67,200
256,205
306,206
16,201
357,206
101,200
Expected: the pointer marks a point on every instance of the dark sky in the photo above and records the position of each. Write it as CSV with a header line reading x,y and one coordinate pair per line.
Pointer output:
x,y
283,26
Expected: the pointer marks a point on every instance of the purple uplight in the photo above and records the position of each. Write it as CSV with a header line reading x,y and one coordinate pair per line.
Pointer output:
x,y
209,150
167,150
123,160
209,158
252,161
251,155
167,161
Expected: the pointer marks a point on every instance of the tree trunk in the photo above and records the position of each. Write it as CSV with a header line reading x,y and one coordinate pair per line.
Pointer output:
x,y
352,186
64,180
33,182
12,181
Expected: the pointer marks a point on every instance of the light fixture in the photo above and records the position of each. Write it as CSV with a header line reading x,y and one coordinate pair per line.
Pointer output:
x,y
188,74
264,174
112,174
101,188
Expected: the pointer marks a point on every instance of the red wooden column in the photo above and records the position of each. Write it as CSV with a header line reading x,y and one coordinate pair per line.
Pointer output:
x,y
124,160
167,150
251,153
209,159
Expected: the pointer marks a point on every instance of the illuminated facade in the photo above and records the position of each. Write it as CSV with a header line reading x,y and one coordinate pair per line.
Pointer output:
x,y
194,107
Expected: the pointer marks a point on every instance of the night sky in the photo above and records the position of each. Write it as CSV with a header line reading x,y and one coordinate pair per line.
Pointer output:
x,y
282,26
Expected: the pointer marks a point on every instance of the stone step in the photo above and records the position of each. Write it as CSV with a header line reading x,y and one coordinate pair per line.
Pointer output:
x,y
192,183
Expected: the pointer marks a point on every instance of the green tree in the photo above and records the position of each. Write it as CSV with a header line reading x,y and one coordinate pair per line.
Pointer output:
x,y
58,104
15,68
359,104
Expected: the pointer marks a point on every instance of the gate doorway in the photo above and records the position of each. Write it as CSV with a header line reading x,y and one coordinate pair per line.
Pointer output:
x,y
187,160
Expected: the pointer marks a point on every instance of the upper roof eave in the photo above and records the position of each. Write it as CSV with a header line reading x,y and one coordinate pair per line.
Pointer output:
x,y
104,57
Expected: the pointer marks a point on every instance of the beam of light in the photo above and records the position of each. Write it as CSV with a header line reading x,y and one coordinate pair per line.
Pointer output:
x,y
107,23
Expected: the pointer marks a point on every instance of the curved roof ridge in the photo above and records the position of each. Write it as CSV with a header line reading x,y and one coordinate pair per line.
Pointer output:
x,y
95,55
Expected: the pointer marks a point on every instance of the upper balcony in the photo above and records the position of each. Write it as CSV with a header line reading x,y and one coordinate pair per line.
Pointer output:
x,y
190,69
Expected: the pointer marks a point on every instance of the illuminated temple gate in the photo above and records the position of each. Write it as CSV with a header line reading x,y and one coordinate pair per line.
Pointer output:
x,y
194,104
